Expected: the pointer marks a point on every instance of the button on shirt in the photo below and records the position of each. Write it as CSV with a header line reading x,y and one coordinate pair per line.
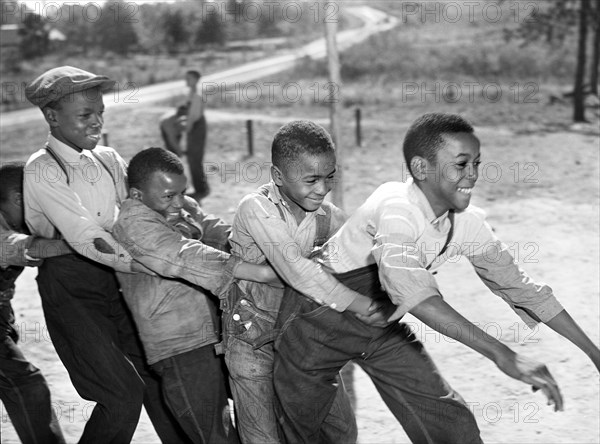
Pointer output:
x,y
260,234
397,229
82,210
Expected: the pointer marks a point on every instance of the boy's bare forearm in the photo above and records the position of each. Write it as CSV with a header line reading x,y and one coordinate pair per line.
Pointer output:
x,y
440,316
564,325
437,314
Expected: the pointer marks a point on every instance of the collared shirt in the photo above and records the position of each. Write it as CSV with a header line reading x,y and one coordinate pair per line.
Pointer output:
x,y
397,229
83,209
172,310
265,230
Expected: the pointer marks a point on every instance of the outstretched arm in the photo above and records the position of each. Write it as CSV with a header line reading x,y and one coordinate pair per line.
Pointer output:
x,y
564,325
440,316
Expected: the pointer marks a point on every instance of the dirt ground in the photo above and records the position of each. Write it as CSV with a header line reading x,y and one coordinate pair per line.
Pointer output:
x,y
545,206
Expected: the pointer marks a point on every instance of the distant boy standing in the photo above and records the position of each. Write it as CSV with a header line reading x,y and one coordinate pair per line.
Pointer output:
x,y
195,128
174,311
73,189
280,224
396,239
23,388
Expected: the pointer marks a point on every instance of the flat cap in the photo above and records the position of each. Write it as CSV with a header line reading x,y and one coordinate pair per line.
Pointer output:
x,y
58,82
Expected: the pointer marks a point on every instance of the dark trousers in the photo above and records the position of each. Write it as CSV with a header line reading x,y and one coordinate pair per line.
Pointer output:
x,y
23,389
95,338
195,389
316,342
196,140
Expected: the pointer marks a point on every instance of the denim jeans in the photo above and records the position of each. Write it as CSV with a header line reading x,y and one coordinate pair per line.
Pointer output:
x,y
95,338
194,385
316,342
249,332
23,389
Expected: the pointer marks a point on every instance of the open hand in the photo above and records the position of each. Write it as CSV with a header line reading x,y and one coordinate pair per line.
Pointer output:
x,y
534,373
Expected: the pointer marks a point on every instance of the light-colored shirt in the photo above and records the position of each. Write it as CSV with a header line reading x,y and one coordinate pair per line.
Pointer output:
x,y
397,229
83,209
260,234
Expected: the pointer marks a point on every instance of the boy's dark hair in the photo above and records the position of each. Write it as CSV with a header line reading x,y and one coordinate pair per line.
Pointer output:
x,y
299,137
194,73
11,178
424,137
150,160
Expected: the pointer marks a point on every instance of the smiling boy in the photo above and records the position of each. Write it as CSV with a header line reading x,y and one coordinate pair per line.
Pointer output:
x,y
396,240
280,224
73,189
174,311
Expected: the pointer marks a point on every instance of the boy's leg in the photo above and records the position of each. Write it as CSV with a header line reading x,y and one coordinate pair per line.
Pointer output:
x,y
80,300
251,382
24,391
313,346
248,333
165,424
413,389
196,140
194,386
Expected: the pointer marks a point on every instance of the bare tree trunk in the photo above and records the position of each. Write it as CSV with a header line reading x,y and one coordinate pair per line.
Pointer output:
x,y
579,96
595,50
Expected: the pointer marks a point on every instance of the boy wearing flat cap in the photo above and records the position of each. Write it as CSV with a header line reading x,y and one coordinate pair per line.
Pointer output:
x,y
72,190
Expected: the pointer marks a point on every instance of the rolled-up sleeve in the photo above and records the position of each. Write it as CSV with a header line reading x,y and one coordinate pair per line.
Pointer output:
x,y
261,222
400,261
498,270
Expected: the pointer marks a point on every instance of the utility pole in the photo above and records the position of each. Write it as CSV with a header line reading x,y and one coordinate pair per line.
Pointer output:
x,y
330,13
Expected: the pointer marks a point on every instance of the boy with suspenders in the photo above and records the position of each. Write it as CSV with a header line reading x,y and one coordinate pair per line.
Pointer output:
x,y
73,189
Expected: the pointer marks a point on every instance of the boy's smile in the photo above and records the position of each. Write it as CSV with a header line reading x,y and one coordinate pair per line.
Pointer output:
x,y
77,120
164,193
305,184
450,179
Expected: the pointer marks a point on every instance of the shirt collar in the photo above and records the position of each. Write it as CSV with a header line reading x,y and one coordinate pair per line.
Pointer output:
x,y
418,197
274,195
67,153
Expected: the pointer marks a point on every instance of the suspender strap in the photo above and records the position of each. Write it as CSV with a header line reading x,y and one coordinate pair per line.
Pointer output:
x,y
59,161
63,167
112,176
448,238
323,224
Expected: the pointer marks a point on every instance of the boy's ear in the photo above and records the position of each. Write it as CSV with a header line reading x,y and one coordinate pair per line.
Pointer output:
x,y
418,168
50,116
17,199
277,175
134,193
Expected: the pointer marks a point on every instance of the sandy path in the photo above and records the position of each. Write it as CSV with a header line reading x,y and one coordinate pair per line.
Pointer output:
x,y
559,241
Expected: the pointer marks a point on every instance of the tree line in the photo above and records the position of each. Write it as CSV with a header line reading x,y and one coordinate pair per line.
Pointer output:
x,y
122,26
